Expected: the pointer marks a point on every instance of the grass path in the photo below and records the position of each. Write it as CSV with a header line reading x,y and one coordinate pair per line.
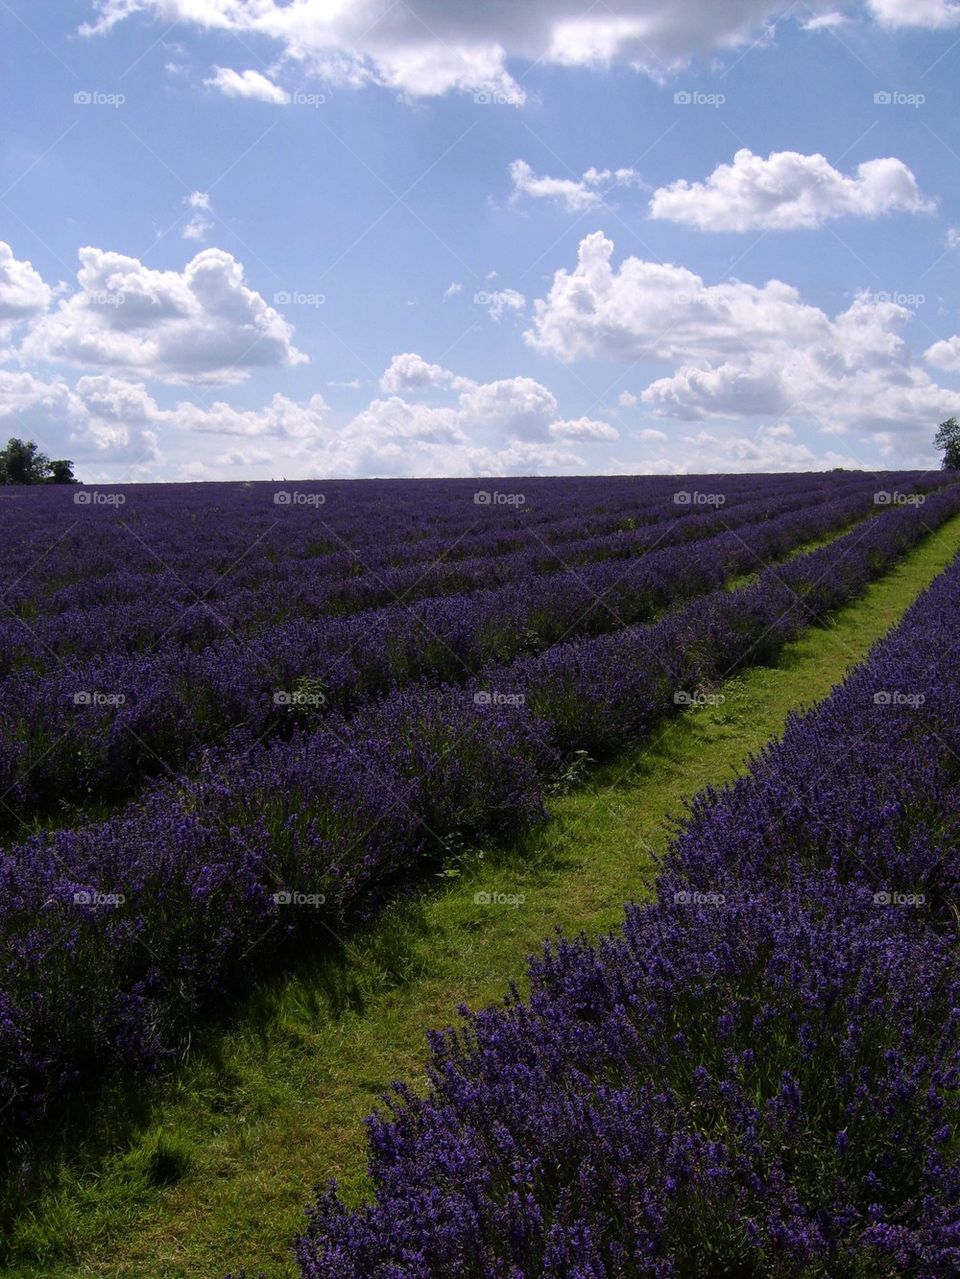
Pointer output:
x,y
249,1126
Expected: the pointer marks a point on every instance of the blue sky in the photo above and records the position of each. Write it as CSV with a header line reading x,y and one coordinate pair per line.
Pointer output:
x,y
251,239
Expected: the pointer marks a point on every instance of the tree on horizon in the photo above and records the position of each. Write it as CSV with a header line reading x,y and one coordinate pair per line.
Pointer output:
x,y
948,439
23,462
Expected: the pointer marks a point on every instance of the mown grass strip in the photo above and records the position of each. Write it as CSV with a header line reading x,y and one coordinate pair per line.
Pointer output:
x,y
215,1172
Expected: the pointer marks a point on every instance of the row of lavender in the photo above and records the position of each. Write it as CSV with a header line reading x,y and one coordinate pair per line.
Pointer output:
x,y
76,548
758,1074
71,735
129,612
116,938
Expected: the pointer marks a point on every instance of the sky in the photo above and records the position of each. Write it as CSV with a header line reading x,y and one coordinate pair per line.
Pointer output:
x,y
265,239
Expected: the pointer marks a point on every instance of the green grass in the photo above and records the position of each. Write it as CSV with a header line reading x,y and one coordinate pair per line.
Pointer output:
x,y
215,1170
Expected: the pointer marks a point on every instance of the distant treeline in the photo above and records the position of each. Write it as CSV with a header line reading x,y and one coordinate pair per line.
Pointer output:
x,y
22,462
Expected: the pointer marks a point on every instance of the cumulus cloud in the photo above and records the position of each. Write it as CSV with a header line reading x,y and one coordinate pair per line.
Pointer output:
x,y
788,191
770,448
97,418
482,428
409,371
577,195
422,48
584,428
394,437
199,325
944,355
519,412
115,428
738,350
518,405
23,293
247,84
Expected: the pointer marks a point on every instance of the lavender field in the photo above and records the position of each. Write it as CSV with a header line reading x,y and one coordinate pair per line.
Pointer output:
x,y
758,1073
240,720
479,647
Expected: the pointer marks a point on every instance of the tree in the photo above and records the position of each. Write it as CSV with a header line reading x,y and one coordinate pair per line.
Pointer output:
x,y
22,462
61,472
948,439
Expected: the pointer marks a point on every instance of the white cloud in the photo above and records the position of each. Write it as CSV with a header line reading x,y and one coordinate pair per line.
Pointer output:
x,y
352,385
933,14
944,355
627,400
768,449
409,372
98,418
826,22
577,195
584,428
423,48
499,301
654,311
199,325
452,290
738,350
518,405
114,429
787,191
282,418
198,224
23,293
519,412
247,84
953,237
